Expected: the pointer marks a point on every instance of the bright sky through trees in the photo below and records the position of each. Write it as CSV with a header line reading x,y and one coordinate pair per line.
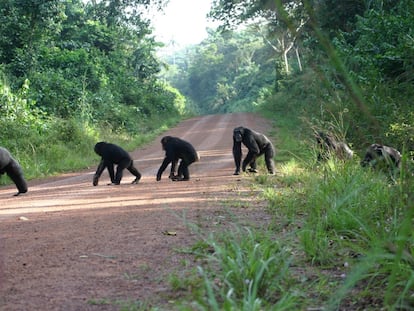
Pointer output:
x,y
183,22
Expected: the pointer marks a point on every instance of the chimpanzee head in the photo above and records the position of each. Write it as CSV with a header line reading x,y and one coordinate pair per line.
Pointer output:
x,y
99,148
164,141
325,140
238,133
371,154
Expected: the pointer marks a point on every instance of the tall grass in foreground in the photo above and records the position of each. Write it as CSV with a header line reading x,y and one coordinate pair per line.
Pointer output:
x,y
244,270
357,218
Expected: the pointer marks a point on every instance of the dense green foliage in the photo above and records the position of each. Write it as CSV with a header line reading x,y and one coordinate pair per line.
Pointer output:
x,y
350,65
73,72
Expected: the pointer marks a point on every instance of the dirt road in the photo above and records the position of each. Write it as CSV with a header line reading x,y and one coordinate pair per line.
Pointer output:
x,y
66,245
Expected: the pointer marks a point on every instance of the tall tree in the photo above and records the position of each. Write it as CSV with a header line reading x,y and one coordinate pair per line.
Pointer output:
x,y
280,23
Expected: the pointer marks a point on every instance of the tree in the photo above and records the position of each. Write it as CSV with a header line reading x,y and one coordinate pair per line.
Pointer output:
x,y
280,23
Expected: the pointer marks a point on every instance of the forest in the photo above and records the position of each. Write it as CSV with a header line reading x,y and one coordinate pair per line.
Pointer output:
x,y
74,72
337,64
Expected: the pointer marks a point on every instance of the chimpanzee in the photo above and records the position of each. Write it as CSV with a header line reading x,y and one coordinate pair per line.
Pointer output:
x,y
112,154
328,144
382,157
12,168
175,149
257,144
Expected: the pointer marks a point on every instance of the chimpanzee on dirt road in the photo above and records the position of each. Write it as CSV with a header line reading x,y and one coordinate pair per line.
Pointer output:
x,y
13,169
112,154
258,144
175,149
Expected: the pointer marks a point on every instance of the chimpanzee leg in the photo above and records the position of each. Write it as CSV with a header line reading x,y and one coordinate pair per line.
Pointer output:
x,y
15,173
173,168
250,159
183,171
269,154
119,170
253,166
132,169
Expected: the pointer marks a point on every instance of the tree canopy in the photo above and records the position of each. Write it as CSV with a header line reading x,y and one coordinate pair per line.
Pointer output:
x,y
96,57
360,51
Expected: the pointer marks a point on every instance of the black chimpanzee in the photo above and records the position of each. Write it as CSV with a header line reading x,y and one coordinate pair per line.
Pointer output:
x,y
257,144
175,149
328,144
112,154
382,157
12,168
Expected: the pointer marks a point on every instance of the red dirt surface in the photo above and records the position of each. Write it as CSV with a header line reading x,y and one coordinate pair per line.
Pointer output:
x,y
66,245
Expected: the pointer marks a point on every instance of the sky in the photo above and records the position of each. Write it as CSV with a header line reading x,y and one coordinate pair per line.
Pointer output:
x,y
183,21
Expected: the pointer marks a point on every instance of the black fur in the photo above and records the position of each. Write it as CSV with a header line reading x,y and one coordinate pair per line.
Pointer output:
x,y
382,157
112,154
327,145
175,149
12,168
257,144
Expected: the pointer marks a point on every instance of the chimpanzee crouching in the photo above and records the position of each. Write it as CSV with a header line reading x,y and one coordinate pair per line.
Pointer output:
x,y
382,157
175,148
257,144
12,168
327,145
112,154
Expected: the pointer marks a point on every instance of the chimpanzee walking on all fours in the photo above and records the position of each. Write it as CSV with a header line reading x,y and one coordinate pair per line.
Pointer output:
x,y
176,149
110,155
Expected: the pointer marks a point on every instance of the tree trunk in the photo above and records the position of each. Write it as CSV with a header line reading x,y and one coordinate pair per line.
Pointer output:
x,y
298,58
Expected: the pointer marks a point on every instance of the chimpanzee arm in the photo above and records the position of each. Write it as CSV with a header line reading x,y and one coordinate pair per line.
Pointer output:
x,y
249,141
249,159
163,166
98,172
237,155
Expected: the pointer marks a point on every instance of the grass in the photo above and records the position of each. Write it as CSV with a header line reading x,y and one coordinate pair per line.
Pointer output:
x,y
243,270
353,225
